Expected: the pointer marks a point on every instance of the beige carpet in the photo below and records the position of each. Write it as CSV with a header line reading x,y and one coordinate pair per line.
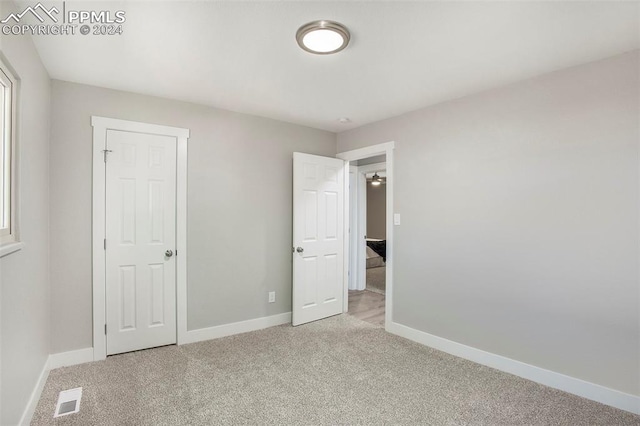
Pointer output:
x,y
336,371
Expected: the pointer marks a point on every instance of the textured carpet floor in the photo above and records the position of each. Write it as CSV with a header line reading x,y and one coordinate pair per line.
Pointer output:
x,y
336,371
376,279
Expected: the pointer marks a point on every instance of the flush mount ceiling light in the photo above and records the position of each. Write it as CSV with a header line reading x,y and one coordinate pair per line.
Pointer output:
x,y
376,179
323,37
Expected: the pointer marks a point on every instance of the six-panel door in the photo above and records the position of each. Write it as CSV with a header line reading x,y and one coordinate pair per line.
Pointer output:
x,y
141,241
318,242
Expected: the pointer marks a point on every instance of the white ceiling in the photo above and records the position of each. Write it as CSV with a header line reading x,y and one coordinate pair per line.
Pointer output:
x,y
243,56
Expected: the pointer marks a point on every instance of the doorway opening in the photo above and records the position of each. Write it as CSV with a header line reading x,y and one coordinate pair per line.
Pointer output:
x,y
367,288
368,294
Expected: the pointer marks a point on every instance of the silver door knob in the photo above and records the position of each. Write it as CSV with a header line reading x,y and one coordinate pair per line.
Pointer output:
x,y
168,253
299,249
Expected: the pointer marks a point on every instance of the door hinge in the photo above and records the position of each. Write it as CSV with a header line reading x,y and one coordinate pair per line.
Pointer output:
x,y
105,243
105,152
105,329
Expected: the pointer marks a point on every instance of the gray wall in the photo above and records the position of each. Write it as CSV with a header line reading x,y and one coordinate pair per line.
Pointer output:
x,y
24,275
376,211
370,160
519,230
239,202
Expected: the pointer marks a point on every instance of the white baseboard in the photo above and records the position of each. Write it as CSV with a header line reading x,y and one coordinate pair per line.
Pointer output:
x,y
53,361
592,391
201,334
65,359
80,356
25,420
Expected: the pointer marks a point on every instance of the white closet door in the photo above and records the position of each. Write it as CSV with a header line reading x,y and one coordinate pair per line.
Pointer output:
x,y
141,241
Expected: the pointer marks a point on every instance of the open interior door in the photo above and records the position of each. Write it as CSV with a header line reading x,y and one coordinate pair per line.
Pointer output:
x,y
318,237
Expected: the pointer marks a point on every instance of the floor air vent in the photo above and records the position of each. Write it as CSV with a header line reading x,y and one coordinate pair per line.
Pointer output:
x,y
68,402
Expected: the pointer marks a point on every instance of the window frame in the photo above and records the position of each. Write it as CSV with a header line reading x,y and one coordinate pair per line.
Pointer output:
x,y
8,205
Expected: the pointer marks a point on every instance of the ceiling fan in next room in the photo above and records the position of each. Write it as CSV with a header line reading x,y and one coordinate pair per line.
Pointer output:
x,y
377,180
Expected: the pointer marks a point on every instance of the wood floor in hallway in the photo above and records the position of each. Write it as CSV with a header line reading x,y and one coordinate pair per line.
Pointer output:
x,y
367,306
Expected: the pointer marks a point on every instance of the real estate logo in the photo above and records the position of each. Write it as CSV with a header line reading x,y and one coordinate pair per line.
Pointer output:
x,y
34,11
85,22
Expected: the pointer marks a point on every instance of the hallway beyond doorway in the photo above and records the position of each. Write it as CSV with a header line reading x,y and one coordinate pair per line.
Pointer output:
x,y
367,306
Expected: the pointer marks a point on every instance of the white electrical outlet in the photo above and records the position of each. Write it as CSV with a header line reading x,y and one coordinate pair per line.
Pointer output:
x,y
272,296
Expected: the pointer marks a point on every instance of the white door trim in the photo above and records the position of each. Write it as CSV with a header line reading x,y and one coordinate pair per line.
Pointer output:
x,y
353,227
357,154
100,127
360,250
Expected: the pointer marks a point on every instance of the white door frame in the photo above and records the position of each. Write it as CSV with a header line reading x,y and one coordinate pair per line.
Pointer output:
x,y
357,154
100,127
354,226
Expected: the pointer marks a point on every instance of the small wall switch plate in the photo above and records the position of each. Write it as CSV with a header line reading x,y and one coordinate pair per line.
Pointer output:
x,y
272,296
396,218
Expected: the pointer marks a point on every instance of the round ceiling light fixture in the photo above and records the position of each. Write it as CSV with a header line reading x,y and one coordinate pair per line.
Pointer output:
x,y
323,37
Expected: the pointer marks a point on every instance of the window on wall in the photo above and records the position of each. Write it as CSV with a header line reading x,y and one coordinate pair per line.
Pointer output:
x,y
7,150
